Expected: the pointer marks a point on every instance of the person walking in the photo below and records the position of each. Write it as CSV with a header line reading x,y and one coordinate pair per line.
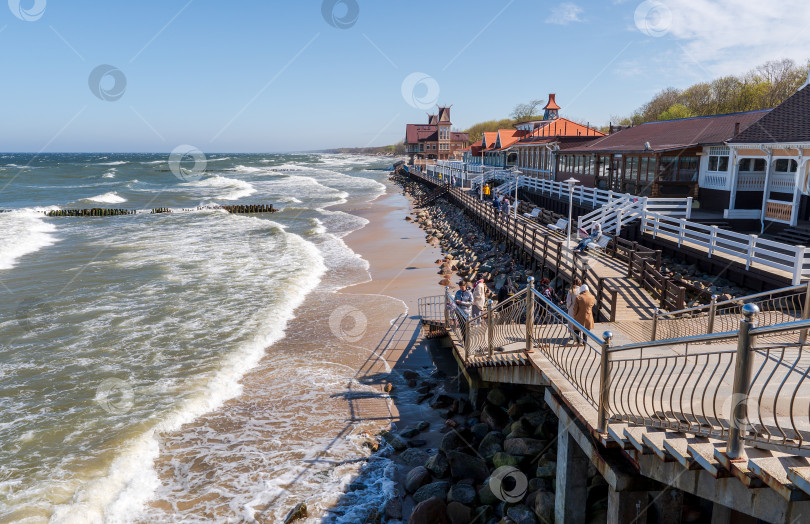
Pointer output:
x,y
496,203
583,310
570,300
505,208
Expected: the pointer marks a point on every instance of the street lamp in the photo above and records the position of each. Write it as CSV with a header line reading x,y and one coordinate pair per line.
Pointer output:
x,y
517,174
571,183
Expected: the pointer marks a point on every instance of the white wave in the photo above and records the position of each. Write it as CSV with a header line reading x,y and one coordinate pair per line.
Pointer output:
x,y
107,198
21,233
154,162
132,479
209,160
237,188
118,163
110,174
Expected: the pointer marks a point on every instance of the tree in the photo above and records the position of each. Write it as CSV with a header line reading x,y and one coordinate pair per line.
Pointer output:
x,y
523,112
676,111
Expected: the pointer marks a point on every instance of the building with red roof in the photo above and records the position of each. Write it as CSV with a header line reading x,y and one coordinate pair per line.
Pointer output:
x,y
435,140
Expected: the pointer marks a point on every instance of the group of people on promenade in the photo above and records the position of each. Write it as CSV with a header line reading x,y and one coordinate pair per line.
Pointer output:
x,y
502,205
471,299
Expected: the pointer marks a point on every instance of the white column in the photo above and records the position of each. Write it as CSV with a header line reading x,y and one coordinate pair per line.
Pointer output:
x,y
767,192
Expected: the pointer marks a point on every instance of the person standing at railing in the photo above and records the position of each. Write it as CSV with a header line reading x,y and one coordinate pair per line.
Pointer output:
x,y
570,300
496,203
583,310
505,208
596,234
479,298
464,299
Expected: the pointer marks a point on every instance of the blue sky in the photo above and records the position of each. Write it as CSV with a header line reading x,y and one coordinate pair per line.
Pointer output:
x,y
268,76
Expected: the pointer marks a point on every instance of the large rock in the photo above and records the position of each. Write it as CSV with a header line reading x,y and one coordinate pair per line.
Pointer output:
x,y
438,465
494,417
441,401
504,459
458,513
496,397
486,496
395,441
414,457
463,493
454,440
416,478
480,429
393,508
463,466
492,443
546,469
430,511
436,489
520,514
524,446
544,507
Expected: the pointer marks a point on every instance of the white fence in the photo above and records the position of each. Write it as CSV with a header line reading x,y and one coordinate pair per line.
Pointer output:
x,y
794,260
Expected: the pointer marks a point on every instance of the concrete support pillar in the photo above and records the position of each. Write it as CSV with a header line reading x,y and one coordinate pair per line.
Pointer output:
x,y
668,504
572,479
626,507
721,514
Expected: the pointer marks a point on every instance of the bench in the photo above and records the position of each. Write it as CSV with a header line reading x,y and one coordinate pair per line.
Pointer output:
x,y
534,214
560,226
601,244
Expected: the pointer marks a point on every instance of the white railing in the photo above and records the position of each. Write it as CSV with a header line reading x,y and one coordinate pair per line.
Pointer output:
x,y
715,181
751,249
750,181
783,182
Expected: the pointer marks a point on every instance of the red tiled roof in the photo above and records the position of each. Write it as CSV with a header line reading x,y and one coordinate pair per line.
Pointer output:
x,y
489,138
787,122
674,134
459,137
552,103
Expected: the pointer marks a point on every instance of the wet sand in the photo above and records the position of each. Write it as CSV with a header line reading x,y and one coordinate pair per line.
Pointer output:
x,y
300,429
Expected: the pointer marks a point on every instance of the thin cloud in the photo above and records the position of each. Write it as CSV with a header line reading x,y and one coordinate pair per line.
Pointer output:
x,y
565,14
730,36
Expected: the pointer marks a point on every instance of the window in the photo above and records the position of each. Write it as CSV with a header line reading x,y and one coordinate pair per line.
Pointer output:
x,y
785,165
718,163
752,164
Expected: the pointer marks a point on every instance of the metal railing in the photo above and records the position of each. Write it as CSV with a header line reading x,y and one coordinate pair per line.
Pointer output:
x,y
432,308
775,307
745,390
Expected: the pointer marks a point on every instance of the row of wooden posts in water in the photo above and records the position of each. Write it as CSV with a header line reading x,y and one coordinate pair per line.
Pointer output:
x,y
240,209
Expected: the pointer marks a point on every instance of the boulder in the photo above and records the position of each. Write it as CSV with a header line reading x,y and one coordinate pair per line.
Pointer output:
x,y
409,433
524,446
441,401
504,459
496,397
463,493
414,457
480,429
436,489
458,513
395,441
416,478
546,470
483,514
494,417
521,514
437,465
299,512
463,466
430,511
544,506
492,443
453,440
393,508
486,496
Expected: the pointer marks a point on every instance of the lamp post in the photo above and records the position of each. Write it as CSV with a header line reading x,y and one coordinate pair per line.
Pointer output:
x,y
517,174
571,183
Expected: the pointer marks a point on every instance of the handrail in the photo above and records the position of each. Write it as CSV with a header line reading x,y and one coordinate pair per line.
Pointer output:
x,y
569,318
781,328
695,339
737,300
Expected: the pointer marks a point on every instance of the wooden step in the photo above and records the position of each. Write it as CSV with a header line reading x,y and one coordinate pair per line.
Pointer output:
x,y
703,453
774,472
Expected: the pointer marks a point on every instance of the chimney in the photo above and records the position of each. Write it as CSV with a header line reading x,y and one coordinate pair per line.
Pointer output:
x,y
736,128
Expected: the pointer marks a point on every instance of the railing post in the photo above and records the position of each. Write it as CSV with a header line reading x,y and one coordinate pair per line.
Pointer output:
x,y
688,208
712,240
805,314
467,340
712,312
604,383
619,218
798,265
654,325
529,314
490,328
752,244
681,229
742,382
447,307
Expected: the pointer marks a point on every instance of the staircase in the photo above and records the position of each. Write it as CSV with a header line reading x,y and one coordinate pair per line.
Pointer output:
x,y
615,214
792,235
430,197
